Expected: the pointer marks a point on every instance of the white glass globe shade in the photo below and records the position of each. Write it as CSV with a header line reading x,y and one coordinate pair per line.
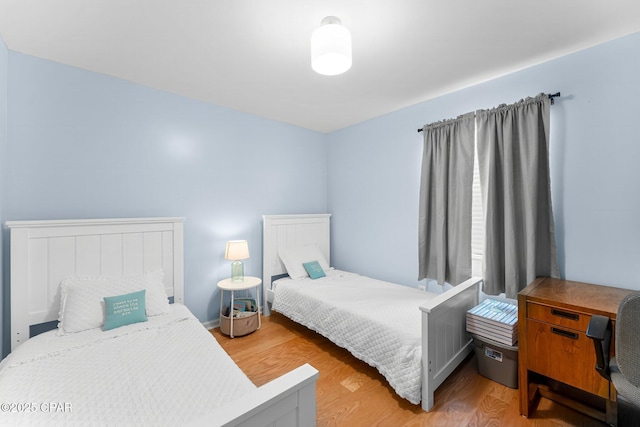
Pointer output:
x,y
331,49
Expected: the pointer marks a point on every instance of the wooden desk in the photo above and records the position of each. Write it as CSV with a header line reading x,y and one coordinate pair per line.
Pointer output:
x,y
553,316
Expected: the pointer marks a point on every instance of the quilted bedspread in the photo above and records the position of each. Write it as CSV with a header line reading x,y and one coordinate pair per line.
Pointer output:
x,y
166,371
378,322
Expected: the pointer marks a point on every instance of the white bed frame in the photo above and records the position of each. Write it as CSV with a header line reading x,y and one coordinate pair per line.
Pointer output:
x,y
445,342
45,252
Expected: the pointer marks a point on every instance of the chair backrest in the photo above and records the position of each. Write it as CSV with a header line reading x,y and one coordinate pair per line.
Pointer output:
x,y
628,338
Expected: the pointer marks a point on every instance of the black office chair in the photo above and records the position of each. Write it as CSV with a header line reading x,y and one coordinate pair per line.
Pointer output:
x,y
624,368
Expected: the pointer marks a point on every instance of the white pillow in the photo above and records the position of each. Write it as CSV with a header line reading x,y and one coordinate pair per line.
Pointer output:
x,y
82,298
293,258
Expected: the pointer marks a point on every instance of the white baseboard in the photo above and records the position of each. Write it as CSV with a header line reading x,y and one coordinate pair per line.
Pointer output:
x,y
211,324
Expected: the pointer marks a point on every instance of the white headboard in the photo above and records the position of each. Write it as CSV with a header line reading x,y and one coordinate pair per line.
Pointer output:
x,y
290,231
45,252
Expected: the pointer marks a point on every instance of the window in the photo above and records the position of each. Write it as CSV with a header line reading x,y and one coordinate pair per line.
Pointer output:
x,y
477,217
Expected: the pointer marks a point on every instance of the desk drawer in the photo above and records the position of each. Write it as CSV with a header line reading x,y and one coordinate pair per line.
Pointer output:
x,y
565,355
558,316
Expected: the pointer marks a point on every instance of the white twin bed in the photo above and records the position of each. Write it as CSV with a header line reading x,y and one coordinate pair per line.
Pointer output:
x,y
414,338
167,370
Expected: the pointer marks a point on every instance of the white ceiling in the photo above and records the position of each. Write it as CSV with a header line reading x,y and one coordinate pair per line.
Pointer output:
x,y
254,55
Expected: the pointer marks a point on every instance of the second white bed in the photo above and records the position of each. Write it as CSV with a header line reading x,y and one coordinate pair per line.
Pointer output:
x,y
378,322
436,322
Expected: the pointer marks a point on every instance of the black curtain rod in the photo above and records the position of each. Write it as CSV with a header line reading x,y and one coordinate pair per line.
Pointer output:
x,y
550,95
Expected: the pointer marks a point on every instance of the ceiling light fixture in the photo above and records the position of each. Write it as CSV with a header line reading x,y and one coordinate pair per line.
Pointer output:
x,y
331,48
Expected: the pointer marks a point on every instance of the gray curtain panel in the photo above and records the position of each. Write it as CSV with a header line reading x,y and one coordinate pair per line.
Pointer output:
x,y
444,239
513,155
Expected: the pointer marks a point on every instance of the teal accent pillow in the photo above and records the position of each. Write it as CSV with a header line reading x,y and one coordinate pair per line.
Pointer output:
x,y
124,310
314,269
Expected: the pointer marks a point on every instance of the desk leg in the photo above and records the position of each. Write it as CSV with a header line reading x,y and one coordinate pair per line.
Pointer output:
x,y
529,396
523,386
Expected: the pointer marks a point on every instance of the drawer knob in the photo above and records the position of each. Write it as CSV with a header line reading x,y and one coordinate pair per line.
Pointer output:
x,y
565,314
564,333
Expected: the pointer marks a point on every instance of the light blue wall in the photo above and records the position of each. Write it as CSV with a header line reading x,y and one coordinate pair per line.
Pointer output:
x,y
4,300
374,169
83,145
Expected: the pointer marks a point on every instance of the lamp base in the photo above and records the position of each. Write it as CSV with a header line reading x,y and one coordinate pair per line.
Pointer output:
x,y
237,271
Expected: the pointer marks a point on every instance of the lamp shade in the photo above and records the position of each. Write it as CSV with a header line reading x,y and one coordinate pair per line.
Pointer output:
x,y
331,48
236,250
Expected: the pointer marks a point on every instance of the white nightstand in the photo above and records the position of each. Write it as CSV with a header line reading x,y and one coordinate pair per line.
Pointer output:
x,y
247,283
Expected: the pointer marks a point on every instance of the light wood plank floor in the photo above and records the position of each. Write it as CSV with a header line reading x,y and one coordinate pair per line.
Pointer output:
x,y
352,393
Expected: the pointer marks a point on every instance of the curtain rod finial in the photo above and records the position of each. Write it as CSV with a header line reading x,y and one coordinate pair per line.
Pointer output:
x,y
553,95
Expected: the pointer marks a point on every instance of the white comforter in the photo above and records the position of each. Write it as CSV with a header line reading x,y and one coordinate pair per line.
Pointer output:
x,y
378,322
166,371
